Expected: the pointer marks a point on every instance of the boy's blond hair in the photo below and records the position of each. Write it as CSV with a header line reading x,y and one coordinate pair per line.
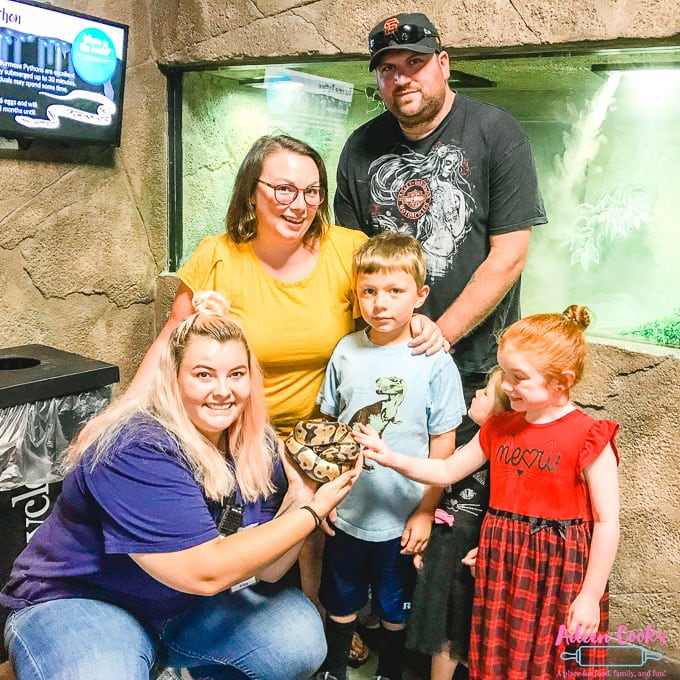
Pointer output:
x,y
389,252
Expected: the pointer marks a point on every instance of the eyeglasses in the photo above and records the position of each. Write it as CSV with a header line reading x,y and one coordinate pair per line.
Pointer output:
x,y
285,194
405,34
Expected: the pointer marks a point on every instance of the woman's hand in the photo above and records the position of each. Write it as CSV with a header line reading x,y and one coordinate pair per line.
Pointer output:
x,y
301,488
427,336
329,495
375,447
583,617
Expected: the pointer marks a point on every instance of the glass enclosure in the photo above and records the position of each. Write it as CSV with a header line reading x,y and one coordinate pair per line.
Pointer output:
x,y
604,129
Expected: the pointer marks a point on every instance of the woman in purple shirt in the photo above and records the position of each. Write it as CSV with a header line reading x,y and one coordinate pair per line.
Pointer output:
x,y
140,564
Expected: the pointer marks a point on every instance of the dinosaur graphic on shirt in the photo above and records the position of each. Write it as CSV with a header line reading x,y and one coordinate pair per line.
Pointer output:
x,y
383,412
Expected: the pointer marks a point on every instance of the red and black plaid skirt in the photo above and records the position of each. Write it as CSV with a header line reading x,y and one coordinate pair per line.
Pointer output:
x,y
529,571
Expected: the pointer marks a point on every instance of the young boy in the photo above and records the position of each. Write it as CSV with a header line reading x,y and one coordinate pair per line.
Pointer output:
x,y
415,400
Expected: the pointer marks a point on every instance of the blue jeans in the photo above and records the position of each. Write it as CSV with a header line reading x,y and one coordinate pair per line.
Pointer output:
x,y
225,637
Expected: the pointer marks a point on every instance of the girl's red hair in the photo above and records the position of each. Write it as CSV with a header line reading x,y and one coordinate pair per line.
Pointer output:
x,y
554,342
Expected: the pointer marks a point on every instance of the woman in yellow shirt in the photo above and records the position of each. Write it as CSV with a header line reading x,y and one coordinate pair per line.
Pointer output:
x,y
286,273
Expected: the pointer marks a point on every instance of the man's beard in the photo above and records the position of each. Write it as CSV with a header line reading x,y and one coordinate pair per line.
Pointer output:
x,y
430,106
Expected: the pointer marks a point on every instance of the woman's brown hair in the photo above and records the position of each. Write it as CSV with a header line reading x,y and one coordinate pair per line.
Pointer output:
x,y
241,218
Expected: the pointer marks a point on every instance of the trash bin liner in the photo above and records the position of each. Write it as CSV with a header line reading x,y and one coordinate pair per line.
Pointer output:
x,y
46,396
33,436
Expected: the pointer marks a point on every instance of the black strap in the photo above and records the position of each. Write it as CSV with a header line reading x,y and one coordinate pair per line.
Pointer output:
x,y
539,523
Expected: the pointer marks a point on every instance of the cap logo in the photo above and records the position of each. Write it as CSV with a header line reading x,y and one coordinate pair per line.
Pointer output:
x,y
390,26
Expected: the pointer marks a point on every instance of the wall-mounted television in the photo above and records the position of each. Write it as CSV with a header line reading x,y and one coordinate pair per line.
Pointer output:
x,y
62,74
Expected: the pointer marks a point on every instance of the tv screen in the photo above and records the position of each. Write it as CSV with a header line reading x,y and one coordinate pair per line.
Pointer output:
x,y
62,74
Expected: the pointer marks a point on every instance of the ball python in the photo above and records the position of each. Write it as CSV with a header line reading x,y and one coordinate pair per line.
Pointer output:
x,y
323,449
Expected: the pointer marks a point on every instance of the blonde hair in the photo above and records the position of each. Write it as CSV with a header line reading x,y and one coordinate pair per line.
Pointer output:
x,y
554,342
246,437
501,398
388,252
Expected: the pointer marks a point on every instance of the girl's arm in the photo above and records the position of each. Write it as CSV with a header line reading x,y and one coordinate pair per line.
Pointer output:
x,y
462,463
222,562
416,533
603,486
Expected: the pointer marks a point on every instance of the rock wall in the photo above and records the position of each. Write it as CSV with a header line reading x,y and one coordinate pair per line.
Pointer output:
x,y
640,392
83,234
83,230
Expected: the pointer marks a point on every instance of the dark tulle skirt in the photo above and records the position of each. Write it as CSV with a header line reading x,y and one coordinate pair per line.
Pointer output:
x,y
442,600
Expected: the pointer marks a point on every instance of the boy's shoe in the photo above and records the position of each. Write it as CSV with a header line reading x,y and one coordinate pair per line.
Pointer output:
x,y
358,653
324,675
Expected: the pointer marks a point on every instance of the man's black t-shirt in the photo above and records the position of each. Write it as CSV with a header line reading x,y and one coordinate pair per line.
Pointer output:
x,y
471,178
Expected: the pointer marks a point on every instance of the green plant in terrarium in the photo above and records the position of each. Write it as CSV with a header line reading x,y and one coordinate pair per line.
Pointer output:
x,y
663,331
319,139
616,216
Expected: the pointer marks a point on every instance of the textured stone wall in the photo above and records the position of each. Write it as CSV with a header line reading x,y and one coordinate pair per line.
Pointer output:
x,y
207,31
83,232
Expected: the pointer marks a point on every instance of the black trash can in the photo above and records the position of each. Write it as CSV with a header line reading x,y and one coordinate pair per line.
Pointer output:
x,y
46,396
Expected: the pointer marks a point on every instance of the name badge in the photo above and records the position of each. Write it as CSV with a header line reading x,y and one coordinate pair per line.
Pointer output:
x,y
244,584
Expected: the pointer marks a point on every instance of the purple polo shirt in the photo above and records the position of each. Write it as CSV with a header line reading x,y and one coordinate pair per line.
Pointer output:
x,y
141,499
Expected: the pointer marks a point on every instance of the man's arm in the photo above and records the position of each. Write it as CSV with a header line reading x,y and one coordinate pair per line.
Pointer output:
x,y
487,286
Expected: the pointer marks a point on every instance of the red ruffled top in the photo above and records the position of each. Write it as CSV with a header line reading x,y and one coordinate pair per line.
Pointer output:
x,y
537,469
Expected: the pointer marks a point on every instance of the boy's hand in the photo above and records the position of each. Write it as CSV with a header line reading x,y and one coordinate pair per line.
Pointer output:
x,y
470,559
418,560
327,524
374,447
416,534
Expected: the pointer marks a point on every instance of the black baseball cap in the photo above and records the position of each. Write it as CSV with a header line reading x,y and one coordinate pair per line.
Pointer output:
x,y
414,32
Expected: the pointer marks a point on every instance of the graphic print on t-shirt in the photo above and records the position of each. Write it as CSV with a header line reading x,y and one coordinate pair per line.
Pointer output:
x,y
459,497
427,196
381,413
523,459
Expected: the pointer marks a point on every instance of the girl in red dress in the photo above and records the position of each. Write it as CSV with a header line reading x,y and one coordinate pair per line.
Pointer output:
x,y
550,536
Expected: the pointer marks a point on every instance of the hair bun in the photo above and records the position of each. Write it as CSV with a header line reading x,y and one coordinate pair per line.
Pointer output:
x,y
578,314
210,302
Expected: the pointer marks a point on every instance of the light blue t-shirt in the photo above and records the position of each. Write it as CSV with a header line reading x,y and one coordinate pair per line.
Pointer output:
x,y
405,397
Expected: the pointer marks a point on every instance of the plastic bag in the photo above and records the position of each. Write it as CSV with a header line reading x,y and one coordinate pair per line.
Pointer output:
x,y
33,436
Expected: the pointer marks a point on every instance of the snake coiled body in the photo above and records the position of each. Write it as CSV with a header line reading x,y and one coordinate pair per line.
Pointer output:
x,y
323,449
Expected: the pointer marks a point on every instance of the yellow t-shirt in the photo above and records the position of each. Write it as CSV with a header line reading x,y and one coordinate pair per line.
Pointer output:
x,y
291,327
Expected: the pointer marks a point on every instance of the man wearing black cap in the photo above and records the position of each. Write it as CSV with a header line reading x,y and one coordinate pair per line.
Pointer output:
x,y
455,172
459,175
